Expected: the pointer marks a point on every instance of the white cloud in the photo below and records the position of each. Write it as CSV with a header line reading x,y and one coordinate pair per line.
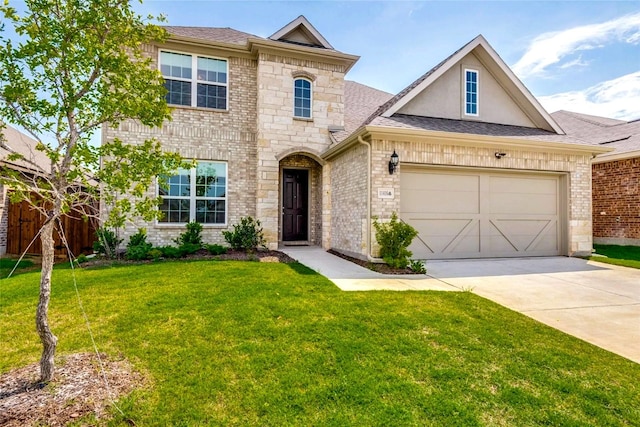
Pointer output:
x,y
616,98
551,48
578,62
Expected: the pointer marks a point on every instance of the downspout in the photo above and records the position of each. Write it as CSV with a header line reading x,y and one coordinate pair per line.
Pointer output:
x,y
362,141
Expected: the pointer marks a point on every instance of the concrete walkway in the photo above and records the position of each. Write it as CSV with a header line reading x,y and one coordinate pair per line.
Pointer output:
x,y
352,277
596,302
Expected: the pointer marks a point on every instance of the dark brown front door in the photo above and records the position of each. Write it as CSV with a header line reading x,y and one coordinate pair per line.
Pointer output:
x,y
295,204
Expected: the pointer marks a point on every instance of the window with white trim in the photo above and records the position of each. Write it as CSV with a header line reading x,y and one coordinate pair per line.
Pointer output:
x,y
302,98
197,194
206,88
471,92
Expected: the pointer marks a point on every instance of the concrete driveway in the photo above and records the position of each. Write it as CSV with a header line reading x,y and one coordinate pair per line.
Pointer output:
x,y
599,303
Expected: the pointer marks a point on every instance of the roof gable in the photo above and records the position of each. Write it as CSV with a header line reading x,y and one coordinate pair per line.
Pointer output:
x,y
486,56
300,31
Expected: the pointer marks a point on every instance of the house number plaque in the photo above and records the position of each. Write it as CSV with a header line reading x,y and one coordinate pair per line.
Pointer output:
x,y
385,193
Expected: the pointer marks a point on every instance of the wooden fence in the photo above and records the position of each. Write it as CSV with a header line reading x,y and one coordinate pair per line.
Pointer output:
x,y
25,222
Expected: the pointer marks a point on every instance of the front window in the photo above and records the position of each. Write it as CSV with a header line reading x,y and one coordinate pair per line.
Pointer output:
x,y
197,194
471,92
206,88
302,98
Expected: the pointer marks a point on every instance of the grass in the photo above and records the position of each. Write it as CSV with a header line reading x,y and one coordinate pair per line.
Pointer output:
x,y
240,343
7,264
626,256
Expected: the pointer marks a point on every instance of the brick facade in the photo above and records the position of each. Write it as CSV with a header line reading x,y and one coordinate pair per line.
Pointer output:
x,y
204,134
349,201
258,137
616,202
349,234
279,132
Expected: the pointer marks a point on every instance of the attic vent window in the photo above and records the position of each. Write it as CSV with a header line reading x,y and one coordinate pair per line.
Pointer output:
x,y
471,92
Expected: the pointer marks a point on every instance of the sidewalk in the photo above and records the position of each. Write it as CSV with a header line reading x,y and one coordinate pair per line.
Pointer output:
x,y
352,277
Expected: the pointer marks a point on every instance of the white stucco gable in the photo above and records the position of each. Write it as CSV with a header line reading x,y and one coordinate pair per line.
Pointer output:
x,y
501,96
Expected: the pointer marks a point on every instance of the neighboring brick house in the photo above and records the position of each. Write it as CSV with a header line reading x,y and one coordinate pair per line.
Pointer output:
x,y
616,175
279,134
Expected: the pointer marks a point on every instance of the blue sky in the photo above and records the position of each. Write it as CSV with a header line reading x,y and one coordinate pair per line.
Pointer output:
x,y
580,56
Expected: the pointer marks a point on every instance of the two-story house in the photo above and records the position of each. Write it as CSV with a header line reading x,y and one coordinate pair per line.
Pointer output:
x,y
465,154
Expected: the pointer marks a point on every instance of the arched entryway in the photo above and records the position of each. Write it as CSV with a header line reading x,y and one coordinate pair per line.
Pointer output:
x,y
300,200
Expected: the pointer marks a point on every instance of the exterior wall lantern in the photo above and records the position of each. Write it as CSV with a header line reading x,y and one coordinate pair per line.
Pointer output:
x,y
393,163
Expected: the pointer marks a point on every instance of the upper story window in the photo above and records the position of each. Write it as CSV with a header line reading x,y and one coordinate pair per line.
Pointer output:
x,y
207,87
198,194
302,98
471,92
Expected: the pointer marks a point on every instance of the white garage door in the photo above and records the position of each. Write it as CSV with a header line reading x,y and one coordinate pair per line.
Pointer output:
x,y
478,214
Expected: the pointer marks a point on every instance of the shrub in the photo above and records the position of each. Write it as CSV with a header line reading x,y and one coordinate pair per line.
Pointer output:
x,y
138,248
394,237
107,242
247,235
417,266
171,252
190,248
155,253
216,249
193,235
81,259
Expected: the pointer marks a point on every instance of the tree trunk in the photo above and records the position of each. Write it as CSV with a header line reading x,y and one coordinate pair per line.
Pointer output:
x,y
49,341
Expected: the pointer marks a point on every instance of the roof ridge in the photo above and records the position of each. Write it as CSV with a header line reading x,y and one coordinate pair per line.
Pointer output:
x,y
583,117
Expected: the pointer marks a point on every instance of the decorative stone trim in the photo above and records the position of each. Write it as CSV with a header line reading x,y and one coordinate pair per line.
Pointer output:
x,y
303,74
337,68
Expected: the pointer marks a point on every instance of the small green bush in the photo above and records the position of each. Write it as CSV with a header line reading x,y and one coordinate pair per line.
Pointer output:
x,y
193,235
417,266
81,259
216,249
394,237
171,252
190,248
107,242
155,254
138,248
246,236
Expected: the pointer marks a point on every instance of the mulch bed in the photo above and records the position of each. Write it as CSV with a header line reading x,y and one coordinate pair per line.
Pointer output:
x,y
78,389
203,254
377,267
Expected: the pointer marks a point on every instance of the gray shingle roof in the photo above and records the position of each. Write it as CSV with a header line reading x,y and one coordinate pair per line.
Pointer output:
x,y
16,141
472,127
623,137
359,102
224,35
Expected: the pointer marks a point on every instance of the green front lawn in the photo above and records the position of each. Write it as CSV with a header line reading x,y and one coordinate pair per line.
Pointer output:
x,y
626,256
241,343
7,265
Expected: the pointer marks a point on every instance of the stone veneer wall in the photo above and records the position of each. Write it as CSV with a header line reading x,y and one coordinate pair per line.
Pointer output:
x,y
204,134
616,202
298,161
578,168
4,219
280,132
349,202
